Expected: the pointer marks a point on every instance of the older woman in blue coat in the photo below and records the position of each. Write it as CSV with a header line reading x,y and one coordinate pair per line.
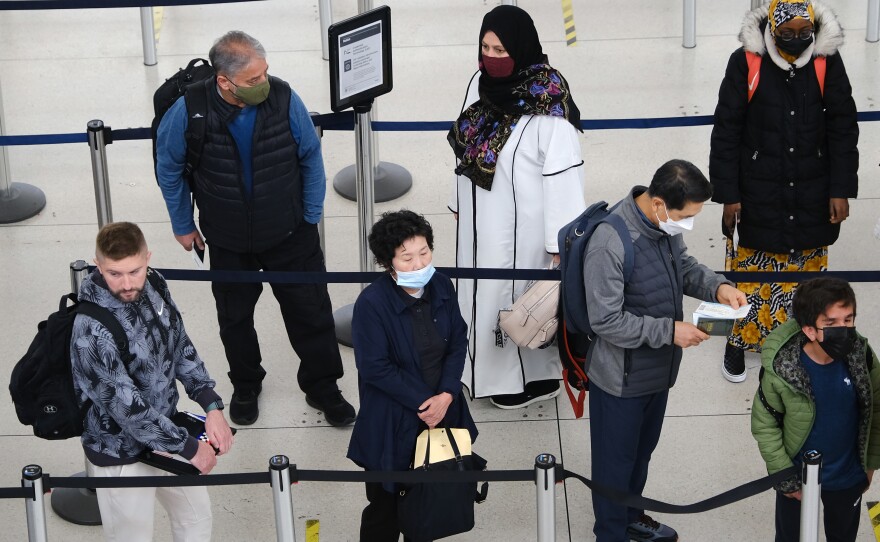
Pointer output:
x,y
409,346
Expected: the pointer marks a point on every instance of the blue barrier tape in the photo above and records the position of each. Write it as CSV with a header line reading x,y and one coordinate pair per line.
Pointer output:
x,y
6,5
354,277
345,122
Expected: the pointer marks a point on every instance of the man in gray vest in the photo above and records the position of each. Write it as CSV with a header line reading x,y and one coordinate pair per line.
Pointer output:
x,y
259,186
640,333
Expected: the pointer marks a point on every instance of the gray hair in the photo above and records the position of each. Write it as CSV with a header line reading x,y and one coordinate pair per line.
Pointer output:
x,y
233,51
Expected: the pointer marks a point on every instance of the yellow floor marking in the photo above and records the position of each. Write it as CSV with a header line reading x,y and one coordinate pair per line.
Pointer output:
x,y
313,530
568,23
874,514
157,21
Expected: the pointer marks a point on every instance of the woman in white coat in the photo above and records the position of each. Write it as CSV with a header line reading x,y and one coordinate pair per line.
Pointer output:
x,y
519,181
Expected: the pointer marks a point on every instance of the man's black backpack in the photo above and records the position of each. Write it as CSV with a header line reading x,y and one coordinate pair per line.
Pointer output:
x,y
575,334
191,82
42,384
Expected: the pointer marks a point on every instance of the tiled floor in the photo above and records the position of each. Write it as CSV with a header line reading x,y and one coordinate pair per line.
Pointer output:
x,y
60,69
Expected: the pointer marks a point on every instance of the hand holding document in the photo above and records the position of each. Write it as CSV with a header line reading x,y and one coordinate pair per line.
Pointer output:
x,y
717,319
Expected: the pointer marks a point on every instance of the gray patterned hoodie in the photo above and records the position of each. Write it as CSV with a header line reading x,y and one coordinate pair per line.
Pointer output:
x,y
132,402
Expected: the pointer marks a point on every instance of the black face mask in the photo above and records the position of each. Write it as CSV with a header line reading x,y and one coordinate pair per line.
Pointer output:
x,y
794,47
838,341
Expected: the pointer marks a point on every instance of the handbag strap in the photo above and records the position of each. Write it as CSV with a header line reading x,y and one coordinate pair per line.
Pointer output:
x,y
452,443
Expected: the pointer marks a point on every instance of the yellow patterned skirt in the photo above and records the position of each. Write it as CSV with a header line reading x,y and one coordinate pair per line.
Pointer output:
x,y
771,301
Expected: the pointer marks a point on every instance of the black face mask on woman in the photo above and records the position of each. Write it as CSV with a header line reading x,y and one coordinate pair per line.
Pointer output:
x,y
838,341
795,46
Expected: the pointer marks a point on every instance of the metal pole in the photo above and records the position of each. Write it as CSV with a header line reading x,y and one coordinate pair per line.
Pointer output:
x,y
689,39
148,35
364,184
99,171
509,2
32,476
873,32
365,5
811,492
325,14
756,3
18,201
78,272
545,484
279,472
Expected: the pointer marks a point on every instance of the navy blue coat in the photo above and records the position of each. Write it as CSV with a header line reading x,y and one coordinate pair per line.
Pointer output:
x,y
390,379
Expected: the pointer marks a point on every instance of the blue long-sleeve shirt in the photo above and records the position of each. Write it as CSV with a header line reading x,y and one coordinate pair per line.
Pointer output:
x,y
171,160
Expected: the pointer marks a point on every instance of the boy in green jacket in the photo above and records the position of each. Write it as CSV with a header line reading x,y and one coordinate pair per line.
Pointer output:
x,y
822,380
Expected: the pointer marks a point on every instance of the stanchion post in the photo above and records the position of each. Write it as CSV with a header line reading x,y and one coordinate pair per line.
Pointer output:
x,y
78,272
18,201
364,182
279,472
811,492
32,476
545,484
98,147
689,37
873,32
508,2
148,35
325,15
756,3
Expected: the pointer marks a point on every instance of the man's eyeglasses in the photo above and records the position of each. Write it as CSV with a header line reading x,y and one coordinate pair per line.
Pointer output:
x,y
788,35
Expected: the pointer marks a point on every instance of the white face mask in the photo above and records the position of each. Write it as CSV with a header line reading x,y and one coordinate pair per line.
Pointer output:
x,y
675,227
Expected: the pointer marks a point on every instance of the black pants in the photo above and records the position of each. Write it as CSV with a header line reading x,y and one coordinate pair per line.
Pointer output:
x,y
623,434
305,308
841,515
379,518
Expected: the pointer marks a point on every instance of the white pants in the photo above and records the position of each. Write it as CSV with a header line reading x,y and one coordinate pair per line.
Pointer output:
x,y
127,513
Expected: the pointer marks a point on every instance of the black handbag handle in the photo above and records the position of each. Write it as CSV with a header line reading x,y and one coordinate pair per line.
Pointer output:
x,y
452,443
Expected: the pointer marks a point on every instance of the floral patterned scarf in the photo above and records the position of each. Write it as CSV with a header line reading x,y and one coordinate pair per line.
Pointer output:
x,y
479,134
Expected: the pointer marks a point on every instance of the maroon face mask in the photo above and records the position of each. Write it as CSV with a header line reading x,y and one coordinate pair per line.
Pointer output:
x,y
498,67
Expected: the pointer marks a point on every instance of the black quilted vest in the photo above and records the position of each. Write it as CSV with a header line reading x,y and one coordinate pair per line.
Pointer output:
x,y
227,218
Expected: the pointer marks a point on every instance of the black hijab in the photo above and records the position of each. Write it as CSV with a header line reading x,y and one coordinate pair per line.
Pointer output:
x,y
534,88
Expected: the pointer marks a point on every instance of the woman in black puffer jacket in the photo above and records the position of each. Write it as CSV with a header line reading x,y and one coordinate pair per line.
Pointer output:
x,y
784,157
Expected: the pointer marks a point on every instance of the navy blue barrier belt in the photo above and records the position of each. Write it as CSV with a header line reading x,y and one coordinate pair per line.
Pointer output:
x,y
409,477
345,121
82,4
350,277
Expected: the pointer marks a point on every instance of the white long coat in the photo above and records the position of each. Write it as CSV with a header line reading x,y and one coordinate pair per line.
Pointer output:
x,y
537,189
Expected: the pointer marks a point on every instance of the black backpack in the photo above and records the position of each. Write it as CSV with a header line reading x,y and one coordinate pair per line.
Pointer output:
x,y
193,82
42,383
575,335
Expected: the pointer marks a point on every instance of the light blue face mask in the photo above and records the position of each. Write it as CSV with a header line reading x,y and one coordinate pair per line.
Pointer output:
x,y
415,279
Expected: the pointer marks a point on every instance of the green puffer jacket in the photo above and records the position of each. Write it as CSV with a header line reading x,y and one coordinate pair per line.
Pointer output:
x,y
787,389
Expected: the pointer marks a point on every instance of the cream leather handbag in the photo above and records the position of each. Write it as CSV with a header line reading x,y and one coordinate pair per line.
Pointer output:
x,y
533,319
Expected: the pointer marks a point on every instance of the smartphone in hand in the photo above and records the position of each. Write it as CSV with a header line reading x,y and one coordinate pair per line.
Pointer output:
x,y
198,256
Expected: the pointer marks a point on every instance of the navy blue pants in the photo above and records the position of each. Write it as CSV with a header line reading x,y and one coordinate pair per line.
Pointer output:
x,y
305,309
841,513
623,434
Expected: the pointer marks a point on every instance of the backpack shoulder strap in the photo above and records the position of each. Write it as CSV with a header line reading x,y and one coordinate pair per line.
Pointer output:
x,y
108,320
196,97
628,253
778,416
819,63
754,62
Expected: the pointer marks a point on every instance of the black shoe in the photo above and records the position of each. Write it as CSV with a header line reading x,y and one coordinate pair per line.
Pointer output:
x,y
734,366
540,390
244,409
337,411
648,530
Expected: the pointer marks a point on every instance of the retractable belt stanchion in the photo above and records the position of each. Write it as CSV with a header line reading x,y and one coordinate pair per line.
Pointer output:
x,y
390,180
148,34
279,471
689,36
545,484
76,505
365,199
18,201
99,138
325,15
756,3
873,27
811,492
32,476
508,2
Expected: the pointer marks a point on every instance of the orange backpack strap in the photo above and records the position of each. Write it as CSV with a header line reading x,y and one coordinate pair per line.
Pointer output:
x,y
819,65
754,62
